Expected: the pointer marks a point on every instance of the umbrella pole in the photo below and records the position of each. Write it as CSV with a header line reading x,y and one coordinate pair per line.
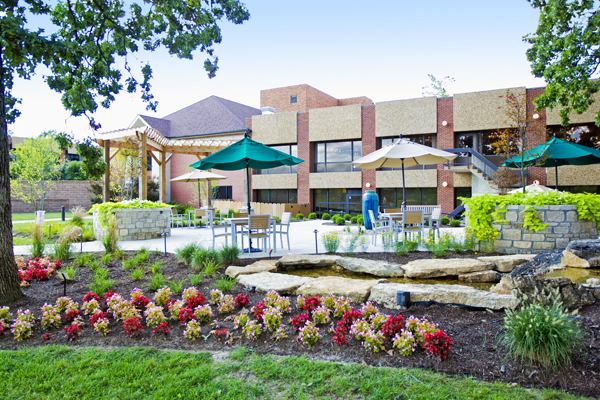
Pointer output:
x,y
250,249
403,188
556,173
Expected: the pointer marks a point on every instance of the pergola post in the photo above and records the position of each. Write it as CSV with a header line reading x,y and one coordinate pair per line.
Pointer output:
x,y
106,183
143,187
163,178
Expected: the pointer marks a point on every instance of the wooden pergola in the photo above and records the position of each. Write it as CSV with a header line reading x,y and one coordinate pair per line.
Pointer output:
x,y
153,142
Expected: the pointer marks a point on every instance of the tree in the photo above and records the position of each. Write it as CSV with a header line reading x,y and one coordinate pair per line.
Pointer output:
x,y
35,170
523,130
83,53
566,53
437,87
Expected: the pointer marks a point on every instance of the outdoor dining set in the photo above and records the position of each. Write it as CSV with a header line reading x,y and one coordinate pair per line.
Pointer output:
x,y
407,221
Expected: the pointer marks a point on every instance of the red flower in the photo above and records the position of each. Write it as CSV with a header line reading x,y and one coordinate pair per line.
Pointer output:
x,y
46,336
89,296
140,302
196,301
71,315
311,303
392,326
72,331
299,321
241,300
186,315
340,335
97,315
258,310
438,344
168,303
132,326
349,318
162,328
221,333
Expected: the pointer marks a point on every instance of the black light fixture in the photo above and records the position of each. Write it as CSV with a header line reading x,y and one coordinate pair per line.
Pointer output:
x,y
164,235
403,299
316,243
81,242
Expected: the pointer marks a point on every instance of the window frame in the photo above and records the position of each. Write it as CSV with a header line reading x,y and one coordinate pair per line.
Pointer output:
x,y
324,163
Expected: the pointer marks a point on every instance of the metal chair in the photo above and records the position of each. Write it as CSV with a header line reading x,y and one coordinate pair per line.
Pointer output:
x,y
223,213
412,222
197,214
176,219
216,230
434,221
286,217
259,227
378,225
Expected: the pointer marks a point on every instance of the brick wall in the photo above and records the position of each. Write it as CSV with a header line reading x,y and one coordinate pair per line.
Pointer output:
x,y
369,145
304,153
308,98
68,193
445,140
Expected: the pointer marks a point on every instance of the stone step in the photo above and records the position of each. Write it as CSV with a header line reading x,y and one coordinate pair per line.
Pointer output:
x,y
357,289
433,268
267,281
259,266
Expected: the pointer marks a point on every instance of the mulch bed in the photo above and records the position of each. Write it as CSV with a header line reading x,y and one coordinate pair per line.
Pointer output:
x,y
476,351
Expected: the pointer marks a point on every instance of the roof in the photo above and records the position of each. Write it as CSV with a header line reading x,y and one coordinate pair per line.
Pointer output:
x,y
209,116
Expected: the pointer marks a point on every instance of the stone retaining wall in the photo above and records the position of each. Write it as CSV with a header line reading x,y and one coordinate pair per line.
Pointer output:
x,y
138,223
563,227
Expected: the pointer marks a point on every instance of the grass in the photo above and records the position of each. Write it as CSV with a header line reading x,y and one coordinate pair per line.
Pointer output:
x,y
135,373
225,284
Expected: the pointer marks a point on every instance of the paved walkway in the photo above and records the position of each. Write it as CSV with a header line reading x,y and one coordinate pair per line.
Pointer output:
x,y
302,240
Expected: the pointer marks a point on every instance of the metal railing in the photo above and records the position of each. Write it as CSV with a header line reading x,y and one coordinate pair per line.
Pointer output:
x,y
470,157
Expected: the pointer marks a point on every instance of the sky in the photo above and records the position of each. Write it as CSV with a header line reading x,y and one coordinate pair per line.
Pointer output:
x,y
383,50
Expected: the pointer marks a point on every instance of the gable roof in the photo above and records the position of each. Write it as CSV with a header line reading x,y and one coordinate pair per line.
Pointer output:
x,y
209,116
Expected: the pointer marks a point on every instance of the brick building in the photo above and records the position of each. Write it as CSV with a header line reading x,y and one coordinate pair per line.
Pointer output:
x,y
329,133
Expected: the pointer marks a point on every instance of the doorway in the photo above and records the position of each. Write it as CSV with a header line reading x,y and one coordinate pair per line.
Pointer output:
x,y
354,201
465,141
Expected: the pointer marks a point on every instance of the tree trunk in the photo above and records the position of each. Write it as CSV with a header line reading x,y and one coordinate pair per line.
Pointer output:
x,y
10,288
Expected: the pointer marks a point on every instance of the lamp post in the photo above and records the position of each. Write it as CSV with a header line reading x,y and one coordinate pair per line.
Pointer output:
x,y
164,235
316,243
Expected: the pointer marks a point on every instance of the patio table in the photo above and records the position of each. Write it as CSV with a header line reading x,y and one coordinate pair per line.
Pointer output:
x,y
241,221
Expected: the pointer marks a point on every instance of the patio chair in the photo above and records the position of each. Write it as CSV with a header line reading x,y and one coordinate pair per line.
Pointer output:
x,y
286,217
378,226
217,230
197,214
259,227
223,213
434,221
176,219
412,222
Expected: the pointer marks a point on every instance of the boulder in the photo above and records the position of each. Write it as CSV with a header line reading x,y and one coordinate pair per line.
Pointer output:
x,y
481,277
582,254
593,282
572,295
267,281
259,266
505,286
540,264
507,263
372,267
385,294
301,260
357,289
433,268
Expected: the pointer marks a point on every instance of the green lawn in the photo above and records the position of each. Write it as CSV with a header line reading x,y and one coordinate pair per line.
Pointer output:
x,y
137,373
30,216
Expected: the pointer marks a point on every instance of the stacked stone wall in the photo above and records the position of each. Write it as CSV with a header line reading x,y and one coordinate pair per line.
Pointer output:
x,y
138,223
563,226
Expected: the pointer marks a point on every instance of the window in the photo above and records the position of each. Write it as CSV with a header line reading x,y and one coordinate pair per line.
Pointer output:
x,y
585,135
461,192
392,197
427,140
223,193
277,196
337,156
293,99
291,149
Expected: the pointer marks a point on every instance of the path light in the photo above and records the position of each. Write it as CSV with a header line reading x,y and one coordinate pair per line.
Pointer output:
x,y
49,231
403,299
316,243
81,241
65,278
164,234
253,289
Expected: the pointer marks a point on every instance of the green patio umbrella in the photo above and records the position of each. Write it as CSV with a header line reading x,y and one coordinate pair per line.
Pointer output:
x,y
247,154
555,153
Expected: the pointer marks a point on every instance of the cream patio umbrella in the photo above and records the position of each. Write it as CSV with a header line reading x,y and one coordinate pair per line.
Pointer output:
x,y
535,187
403,153
199,176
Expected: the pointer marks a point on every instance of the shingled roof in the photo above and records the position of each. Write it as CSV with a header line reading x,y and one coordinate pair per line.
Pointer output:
x,y
209,116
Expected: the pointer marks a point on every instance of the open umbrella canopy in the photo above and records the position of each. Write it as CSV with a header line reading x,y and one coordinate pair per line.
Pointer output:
x,y
198,176
555,152
535,187
246,153
403,153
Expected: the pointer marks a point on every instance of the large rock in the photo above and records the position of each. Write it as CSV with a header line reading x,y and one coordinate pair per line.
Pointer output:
x,y
293,261
507,263
505,286
267,281
357,289
582,254
372,267
259,266
572,295
433,268
481,277
593,282
385,294
540,264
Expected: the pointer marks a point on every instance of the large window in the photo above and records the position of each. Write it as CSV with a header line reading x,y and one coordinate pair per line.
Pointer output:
x,y
224,193
427,140
337,156
277,196
392,197
291,149
332,201
585,135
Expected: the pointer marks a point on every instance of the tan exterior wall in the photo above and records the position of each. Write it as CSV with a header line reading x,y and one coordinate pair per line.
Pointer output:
x,y
462,179
279,128
406,117
574,175
414,178
333,180
275,181
552,117
336,123
482,110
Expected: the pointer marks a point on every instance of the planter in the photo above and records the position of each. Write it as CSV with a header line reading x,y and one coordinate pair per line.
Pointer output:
x,y
370,201
563,226
137,223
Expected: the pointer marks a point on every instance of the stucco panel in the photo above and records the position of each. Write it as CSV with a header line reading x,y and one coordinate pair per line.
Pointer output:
x,y
574,175
552,117
462,179
335,123
414,178
279,128
482,110
406,117
275,181
335,180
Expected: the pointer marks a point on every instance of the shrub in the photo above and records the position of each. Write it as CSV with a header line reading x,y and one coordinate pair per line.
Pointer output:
x,y
312,216
354,220
455,223
186,253
228,255
225,284
340,220
38,244
444,220
542,333
326,217
203,256
109,241
77,216
331,241
299,216
360,220
347,217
